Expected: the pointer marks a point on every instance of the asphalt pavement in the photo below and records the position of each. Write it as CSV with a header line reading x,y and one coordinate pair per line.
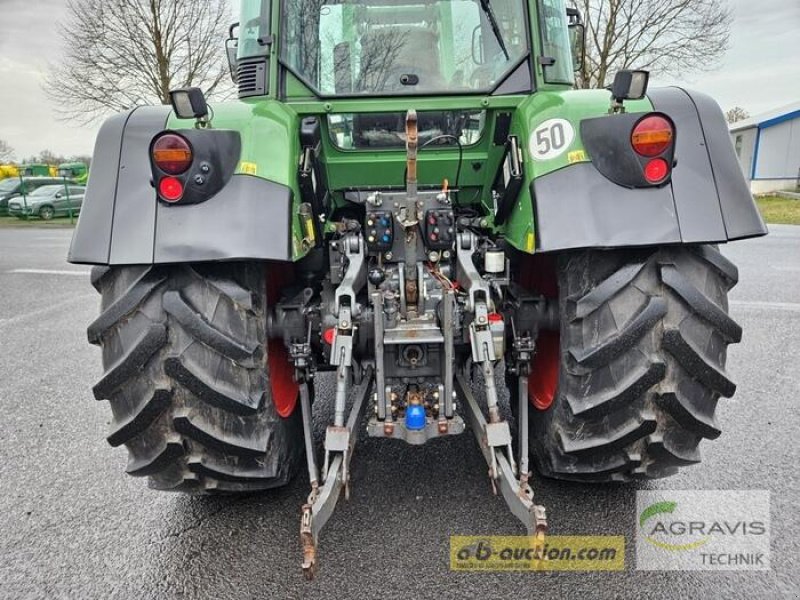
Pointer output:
x,y
73,525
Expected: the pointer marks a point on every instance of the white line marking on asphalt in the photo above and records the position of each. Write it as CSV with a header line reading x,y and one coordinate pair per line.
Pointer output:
x,y
62,304
49,272
787,269
790,306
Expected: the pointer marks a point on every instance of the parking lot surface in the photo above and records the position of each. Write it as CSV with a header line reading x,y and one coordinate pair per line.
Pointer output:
x,y
74,526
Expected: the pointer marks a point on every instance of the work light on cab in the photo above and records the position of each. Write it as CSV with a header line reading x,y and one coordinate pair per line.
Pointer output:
x,y
172,154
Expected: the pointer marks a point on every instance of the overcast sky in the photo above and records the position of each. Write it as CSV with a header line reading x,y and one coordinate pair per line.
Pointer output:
x,y
760,72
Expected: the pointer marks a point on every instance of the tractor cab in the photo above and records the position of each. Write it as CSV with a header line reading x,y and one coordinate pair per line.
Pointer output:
x,y
37,170
76,171
379,48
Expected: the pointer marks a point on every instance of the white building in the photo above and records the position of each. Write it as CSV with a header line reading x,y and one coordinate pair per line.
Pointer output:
x,y
768,147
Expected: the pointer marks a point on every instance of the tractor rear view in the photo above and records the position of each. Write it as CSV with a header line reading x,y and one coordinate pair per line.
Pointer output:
x,y
412,196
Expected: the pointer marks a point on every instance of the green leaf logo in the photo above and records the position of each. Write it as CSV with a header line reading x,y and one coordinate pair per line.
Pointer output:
x,y
661,508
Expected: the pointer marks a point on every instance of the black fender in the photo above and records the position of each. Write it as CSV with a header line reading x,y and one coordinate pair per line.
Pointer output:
x,y
123,223
707,199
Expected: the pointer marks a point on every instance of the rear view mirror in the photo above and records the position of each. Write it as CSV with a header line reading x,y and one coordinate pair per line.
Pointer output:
x,y
232,50
577,38
477,46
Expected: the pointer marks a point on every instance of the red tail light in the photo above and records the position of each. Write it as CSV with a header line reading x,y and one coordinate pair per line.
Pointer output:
x,y
656,170
652,136
170,189
172,154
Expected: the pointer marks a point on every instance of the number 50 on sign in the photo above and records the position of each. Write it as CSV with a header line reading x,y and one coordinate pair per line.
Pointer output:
x,y
551,139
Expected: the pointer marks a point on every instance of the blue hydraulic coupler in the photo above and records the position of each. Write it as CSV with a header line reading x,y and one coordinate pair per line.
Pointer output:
x,y
415,417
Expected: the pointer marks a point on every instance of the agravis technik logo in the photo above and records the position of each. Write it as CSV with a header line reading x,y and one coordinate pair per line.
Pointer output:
x,y
702,530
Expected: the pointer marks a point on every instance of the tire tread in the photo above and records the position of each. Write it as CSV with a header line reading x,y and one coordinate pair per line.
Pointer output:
x,y
636,403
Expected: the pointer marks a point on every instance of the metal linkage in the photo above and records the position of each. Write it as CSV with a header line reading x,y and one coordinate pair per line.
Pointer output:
x,y
339,451
355,276
522,353
494,436
342,357
448,327
412,138
384,408
483,354
339,438
522,398
468,276
494,444
308,437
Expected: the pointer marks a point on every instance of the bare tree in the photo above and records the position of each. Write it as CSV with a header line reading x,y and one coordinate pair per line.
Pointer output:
x,y
664,36
736,114
6,152
123,53
380,48
80,158
381,58
49,157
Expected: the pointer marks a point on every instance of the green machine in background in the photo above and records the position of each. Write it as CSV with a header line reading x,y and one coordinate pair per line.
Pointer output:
x,y
37,170
78,172
412,195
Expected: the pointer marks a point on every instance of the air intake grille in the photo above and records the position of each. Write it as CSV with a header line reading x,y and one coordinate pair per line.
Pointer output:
x,y
252,77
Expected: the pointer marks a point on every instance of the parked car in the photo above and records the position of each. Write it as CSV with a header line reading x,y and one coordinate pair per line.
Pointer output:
x,y
13,187
49,201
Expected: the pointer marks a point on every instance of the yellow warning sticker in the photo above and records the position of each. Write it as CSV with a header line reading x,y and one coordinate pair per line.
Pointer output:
x,y
530,242
249,168
576,156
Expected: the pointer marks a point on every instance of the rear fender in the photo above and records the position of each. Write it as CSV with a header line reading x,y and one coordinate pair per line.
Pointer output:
x,y
250,215
707,199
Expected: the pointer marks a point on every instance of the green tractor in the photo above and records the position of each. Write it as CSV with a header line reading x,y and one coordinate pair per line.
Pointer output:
x,y
37,170
76,172
413,196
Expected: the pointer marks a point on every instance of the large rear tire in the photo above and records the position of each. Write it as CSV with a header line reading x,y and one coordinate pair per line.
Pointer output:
x,y
643,342
188,378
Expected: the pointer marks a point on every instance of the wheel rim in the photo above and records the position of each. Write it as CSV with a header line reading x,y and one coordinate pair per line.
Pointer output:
x,y
279,369
543,381
538,272
46,214
281,378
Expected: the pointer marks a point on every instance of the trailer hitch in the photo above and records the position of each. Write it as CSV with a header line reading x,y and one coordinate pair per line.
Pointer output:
x,y
339,443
